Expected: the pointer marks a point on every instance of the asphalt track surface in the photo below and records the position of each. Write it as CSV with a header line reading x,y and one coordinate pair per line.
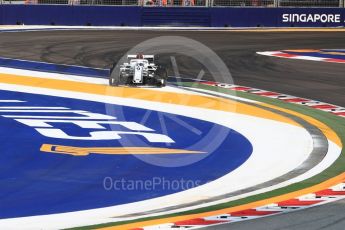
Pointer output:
x,y
315,80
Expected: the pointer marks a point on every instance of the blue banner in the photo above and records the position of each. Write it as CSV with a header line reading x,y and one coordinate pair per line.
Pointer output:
x,y
170,16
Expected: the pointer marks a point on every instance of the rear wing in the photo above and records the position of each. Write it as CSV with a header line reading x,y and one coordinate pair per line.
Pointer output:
x,y
150,58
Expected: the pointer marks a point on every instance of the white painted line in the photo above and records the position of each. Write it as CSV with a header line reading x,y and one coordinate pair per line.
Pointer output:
x,y
46,75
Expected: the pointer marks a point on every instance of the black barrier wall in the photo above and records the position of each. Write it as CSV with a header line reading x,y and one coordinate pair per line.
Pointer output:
x,y
174,16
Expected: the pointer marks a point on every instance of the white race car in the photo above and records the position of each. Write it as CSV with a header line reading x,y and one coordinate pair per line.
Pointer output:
x,y
139,70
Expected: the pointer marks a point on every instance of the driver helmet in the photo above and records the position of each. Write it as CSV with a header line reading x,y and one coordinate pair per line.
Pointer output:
x,y
140,56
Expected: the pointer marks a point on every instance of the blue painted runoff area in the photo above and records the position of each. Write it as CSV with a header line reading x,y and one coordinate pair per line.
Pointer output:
x,y
33,182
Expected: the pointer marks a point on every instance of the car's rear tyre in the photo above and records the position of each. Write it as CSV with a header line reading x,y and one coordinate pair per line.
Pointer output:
x,y
161,82
162,76
112,81
116,79
113,78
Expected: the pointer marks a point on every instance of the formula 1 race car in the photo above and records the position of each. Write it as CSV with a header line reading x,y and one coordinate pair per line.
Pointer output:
x,y
139,70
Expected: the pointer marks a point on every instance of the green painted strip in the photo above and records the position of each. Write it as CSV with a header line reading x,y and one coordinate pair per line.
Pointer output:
x,y
335,122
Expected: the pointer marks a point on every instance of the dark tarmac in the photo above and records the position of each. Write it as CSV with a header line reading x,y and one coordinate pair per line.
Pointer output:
x,y
310,79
